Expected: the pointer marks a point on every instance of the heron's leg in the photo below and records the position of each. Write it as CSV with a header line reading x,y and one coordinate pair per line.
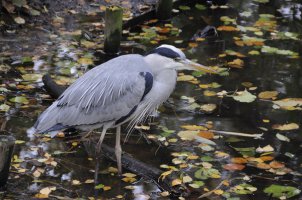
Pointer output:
x,y
99,144
97,156
118,150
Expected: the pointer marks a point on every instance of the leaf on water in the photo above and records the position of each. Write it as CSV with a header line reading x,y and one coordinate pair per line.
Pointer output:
x,y
194,127
208,108
19,141
176,182
268,95
286,127
276,165
238,160
99,186
47,190
267,148
200,6
187,179
75,182
89,181
254,52
274,50
263,166
278,191
227,28
196,184
186,78
244,96
282,137
237,63
234,167
31,77
262,1
130,175
19,20
85,61
209,93
19,99
234,53
246,151
4,107
206,134
289,103
187,135
243,189
184,8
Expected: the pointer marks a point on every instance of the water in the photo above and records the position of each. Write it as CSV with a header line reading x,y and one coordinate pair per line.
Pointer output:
x,y
59,56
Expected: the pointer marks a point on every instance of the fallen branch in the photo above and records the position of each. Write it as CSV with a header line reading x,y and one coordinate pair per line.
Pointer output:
x,y
256,136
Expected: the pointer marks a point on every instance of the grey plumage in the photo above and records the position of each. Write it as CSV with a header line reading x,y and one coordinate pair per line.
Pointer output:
x,y
125,89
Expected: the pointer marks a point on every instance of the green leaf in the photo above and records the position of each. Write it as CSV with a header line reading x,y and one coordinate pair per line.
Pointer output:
x,y
244,189
99,186
207,158
184,8
245,97
247,151
26,59
19,99
200,6
280,190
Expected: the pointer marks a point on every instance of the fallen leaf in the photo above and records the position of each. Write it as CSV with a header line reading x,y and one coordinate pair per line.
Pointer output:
x,y
276,164
237,63
263,166
268,95
286,127
227,28
194,127
19,20
187,135
244,96
289,103
278,191
238,160
234,167
282,137
176,182
208,108
206,134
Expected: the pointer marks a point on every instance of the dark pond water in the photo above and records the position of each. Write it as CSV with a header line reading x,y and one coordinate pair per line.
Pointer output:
x,y
58,54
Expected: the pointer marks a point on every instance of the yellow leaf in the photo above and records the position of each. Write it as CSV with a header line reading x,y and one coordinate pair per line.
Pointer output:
x,y
187,179
286,127
105,188
129,179
186,78
75,182
165,174
176,182
19,142
268,95
130,175
218,192
41,196
194,127
227,28
85,61
237,63
89,181
209,93
47,190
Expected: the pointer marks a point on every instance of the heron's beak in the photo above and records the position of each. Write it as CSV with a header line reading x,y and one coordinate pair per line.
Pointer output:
x,y
190,65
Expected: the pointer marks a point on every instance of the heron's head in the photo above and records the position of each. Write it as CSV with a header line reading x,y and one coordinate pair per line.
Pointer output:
x,y
170,57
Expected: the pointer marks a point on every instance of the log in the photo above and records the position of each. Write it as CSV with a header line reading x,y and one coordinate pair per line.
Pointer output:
x,y
113,29
164,9
128,162
6,150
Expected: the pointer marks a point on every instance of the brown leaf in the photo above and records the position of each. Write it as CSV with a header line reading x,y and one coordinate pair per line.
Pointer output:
x,y
239,160
233,167
237,63
206,134
267,158
276,165
227,28
263,166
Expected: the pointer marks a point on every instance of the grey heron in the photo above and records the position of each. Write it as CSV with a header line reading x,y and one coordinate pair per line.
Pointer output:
x,y
125,89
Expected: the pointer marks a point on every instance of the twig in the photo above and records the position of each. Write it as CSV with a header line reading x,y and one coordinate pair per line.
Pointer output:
x,y
256,136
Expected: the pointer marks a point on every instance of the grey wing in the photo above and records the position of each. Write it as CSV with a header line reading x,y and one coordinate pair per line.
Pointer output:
x,y
104,94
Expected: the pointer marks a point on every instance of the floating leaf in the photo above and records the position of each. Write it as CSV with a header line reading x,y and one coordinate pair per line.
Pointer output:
x,y
99,186
245,97
282,137
237,63
194,127
4,107
19,20
196,184
246,151
227,28
286,127
289,103
267,148
244,189
184,8
176,182
200,6
187,135
233,167
208,108
19,99
268,95
280,191
276,165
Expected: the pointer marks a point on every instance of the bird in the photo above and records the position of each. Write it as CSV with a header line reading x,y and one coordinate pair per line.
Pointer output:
x,y
125,89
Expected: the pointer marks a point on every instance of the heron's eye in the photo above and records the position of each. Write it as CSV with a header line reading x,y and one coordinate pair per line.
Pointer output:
x,y
177,59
